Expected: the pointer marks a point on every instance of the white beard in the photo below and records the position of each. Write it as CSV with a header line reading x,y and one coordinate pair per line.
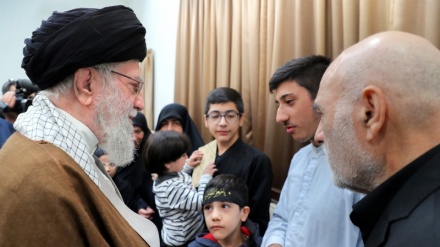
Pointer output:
x,y
113,119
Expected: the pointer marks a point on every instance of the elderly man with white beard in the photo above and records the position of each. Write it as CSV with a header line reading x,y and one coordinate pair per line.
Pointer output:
x,y
380,102
53,191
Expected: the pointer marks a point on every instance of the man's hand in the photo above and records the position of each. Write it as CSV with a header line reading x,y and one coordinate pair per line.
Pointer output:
x,y
9,98
146,213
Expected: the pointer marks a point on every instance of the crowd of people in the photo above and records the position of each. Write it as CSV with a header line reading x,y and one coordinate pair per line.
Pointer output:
x,y
73,176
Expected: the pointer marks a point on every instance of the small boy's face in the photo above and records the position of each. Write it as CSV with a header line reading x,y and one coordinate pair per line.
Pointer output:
x,y
226,130
109,167
177,166
224,219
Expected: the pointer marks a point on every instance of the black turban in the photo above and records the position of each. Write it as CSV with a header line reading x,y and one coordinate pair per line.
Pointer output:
x,y
82,38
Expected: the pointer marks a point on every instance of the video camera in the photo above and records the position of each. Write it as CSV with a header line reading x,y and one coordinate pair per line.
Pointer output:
x,y
23,89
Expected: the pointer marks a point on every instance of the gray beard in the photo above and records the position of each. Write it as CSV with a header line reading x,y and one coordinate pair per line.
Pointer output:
x,y
352,166
113,118
118,144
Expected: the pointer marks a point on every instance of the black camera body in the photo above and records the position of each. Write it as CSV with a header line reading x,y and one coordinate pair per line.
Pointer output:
x,y
23,89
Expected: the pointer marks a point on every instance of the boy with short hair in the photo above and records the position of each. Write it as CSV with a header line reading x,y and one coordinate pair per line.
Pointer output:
x,y
224,115
178,202
311,211
225,207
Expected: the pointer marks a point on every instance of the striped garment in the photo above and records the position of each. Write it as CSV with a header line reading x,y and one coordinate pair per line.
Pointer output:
x,y
180,206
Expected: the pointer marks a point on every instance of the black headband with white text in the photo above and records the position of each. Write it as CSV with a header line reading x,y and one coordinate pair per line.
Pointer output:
x,y
222,195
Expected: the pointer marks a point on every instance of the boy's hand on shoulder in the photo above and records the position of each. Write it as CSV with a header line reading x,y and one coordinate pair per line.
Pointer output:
x,y
210,169
195,159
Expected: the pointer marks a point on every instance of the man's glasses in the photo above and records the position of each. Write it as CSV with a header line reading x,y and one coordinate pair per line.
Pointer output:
x,y
230,116
138,87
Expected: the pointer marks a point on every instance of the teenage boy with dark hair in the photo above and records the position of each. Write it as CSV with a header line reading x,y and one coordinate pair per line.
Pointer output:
x,y
311,211
224,115
178,202
225,207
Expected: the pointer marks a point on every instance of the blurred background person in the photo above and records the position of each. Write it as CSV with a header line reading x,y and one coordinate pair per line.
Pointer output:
x,y
124,187
9,85
6,130
176,117
17,97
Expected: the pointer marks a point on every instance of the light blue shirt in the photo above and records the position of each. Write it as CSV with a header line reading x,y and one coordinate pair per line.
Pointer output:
x,y
312,211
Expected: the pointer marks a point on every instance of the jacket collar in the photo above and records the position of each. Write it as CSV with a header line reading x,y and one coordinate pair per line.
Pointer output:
x,y
397,197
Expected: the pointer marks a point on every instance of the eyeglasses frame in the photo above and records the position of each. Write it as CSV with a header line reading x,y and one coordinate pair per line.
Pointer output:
x,y
223,116
140,82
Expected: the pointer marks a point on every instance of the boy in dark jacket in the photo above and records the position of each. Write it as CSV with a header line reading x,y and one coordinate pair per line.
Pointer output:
x,y
224,116
225,209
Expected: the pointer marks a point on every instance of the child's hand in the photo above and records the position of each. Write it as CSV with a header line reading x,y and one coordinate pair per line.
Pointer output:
x,y
146,213
195,159
210,169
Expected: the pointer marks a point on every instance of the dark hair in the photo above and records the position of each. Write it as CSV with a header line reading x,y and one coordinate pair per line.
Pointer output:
x,y
7,85
306,71
224,95
99,152
228,182
164,147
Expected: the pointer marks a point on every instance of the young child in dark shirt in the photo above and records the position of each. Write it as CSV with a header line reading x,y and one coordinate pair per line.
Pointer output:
x,y
225,207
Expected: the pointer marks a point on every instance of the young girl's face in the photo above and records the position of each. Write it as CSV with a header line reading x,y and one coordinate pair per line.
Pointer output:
x,y
177,166
223,220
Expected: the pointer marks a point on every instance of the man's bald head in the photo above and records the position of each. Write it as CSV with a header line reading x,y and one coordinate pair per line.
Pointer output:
x,y
401,64
379,102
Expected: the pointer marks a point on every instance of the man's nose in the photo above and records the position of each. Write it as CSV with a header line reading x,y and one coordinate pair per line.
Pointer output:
x,y
281,116
319,134
169,126
139,102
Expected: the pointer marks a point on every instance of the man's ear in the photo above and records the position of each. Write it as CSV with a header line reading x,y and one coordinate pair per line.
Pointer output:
x,y
245,213
373,112
85,83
